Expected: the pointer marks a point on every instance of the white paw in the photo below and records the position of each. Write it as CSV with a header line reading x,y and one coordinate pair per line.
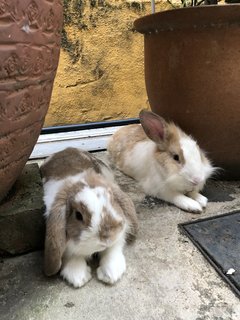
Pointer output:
x,y
201,200
76,273
111,270
187,204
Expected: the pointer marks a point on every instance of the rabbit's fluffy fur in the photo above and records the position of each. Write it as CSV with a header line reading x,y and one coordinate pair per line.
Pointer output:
x,y
165,161
86,212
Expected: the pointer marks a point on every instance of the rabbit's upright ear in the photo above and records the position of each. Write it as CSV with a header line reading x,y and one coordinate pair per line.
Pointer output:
x,y
128,208
55,239
154,126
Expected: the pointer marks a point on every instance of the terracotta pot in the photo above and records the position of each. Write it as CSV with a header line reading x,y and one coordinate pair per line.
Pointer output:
x,y
30,35
192,75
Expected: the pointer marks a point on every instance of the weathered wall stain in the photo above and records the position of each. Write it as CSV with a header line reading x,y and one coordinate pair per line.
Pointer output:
x,y
101,72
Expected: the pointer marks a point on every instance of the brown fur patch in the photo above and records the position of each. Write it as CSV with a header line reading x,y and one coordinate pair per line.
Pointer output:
x,y
173,141
109,226
123,141
74,226
123,206
122,200
93,180
69,161
165,153
55,239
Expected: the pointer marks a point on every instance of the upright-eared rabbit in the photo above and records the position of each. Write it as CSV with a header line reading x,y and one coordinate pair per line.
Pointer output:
x,y
166,162
86,212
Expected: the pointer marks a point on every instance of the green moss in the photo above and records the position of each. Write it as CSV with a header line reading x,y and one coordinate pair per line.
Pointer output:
x,y
93,3
98,72
74,49
66,12
73,12
73,16
136,6
78,8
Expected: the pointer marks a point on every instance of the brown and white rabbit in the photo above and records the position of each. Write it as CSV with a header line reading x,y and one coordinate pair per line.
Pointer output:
x,y
166,162
86,212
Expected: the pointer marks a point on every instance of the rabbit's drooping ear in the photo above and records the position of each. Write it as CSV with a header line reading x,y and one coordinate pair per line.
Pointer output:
x,y
154,126
55,239
128,208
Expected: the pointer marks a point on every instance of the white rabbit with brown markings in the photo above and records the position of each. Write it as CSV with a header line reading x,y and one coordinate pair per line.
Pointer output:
x,y
166,162
86,212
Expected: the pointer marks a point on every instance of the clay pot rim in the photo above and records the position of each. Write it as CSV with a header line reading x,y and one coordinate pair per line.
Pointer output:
x,y
199,17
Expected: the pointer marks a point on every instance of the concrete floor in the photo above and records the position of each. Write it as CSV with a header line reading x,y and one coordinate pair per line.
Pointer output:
x,y
167,278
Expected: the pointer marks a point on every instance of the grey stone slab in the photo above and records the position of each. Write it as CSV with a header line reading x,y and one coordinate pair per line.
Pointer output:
x,y
21,214
167,278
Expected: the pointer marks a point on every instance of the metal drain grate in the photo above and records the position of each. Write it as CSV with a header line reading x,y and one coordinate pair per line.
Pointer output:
x,y
218,239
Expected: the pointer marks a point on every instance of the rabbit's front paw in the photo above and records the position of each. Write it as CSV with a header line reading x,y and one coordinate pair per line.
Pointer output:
x,y
199,198
187,204
77,273
111,270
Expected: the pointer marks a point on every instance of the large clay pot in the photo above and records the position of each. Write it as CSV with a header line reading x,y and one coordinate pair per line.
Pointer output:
x,y
30,35
192,75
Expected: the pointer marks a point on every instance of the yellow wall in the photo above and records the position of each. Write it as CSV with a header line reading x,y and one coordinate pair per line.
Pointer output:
x,y
100,74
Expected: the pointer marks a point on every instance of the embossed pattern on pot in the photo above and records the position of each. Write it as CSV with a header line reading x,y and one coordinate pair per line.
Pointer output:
x,y
30,37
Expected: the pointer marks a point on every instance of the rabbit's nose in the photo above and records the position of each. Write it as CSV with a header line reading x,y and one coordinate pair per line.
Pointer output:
x,y
196,180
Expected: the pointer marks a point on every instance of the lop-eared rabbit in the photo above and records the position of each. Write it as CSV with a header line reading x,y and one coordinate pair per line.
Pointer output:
x,y
86,213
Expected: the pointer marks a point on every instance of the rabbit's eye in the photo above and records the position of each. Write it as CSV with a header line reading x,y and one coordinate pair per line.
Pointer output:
x,y
176,157
79,216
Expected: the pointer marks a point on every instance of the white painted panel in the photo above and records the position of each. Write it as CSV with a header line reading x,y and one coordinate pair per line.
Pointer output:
x,y
89,140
